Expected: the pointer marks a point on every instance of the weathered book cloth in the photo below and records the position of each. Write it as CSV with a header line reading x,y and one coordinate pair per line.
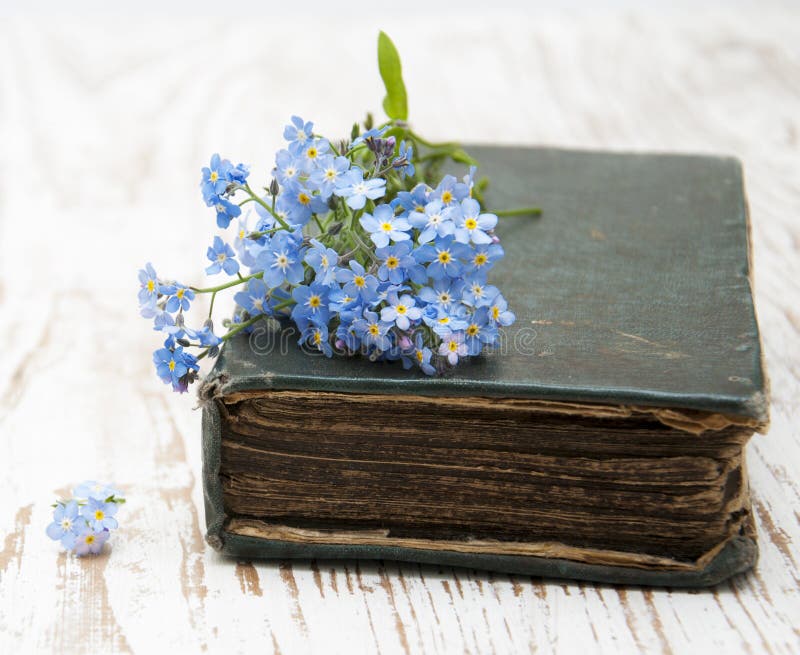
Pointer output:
x,y
604,440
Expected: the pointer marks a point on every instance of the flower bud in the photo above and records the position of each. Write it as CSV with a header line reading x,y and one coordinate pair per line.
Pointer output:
x,y
274,188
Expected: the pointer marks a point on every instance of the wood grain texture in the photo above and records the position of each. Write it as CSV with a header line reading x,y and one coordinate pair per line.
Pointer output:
x,y
104,125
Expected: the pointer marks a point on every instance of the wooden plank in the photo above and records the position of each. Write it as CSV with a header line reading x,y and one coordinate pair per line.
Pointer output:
x,y
102,139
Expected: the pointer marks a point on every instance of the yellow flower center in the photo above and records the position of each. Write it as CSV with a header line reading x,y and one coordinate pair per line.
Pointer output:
x,y
473,329
283,261
66,524
444,256
241,235
330,174
180,293
317,338
470,223
447,197
98,515
420,209
89,538
386,226
401,309
495,312
373,330
444,297
171,364
392,262
151,286
452,346
420,356
480,259
314,301
303,198
359,281
444,320
221,257
312,153
214,176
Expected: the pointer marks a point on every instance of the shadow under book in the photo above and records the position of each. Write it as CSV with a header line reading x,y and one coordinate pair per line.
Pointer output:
x,y
604,440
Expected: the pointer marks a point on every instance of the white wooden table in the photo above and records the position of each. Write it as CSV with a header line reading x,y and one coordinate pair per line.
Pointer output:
x,y
103,127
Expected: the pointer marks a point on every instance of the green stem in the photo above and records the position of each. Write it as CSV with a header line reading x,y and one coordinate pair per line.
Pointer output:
x,y
521,211
283,223
211,308
227,285
430,144
283,305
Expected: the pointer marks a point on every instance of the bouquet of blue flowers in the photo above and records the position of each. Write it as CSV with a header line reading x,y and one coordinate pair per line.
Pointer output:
x,y
362,243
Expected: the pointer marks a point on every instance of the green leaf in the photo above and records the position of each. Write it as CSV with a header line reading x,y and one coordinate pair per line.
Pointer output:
x,y
395,104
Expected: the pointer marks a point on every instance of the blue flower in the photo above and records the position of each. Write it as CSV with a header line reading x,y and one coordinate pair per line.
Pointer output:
x,y
479,331
204,336
397,264
226,210
403,163
180,299
254,300
281,261
323,260
450,191
357,283
374,133
443,321
483,257
222,257
383,225
215,178
499,313
443,256
453,347
443,293
312,304
422,355
287,167
313,152
401,311
328,173
476,292
166,323
173,364
66,524
90,541
356,190
151,287
340,302
100,514
435,221
414,200
298,134
218,176
301,202
317,337
472,225
373,331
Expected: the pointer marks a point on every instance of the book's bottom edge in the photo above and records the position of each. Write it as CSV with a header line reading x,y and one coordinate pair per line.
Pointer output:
x,y
736,555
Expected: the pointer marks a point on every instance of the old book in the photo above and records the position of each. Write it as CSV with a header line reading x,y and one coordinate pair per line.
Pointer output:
x,y
604,440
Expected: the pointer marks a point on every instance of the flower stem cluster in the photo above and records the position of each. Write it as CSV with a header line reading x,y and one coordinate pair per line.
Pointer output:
x,y
363,243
